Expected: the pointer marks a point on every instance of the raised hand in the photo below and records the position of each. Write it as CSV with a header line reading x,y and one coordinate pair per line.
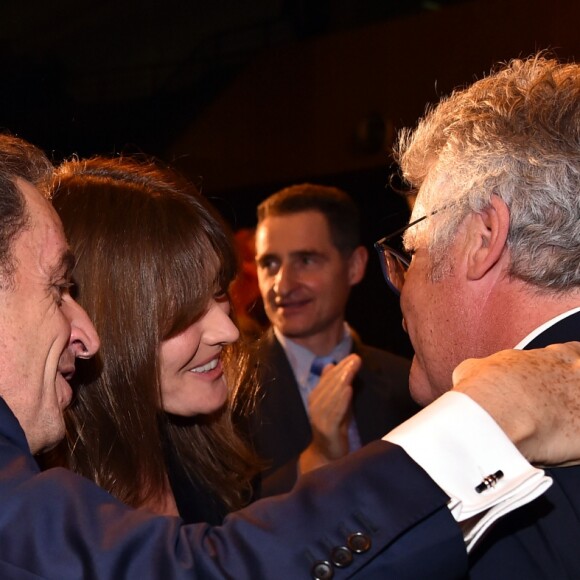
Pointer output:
x,y
330,413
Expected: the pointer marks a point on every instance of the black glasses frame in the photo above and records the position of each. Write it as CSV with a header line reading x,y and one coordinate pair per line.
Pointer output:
x,y
384,251
401,230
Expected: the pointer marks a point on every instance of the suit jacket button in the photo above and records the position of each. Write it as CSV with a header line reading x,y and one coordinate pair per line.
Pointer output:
x,y
322,570
358,542
341,557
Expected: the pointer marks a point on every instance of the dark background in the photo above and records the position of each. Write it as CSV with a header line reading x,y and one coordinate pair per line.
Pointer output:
x,y
247,97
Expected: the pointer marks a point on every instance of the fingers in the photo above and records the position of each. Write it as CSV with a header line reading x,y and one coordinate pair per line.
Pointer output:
x,y
568,351
346,369
533,395
329,408
463,370
332,395
512,367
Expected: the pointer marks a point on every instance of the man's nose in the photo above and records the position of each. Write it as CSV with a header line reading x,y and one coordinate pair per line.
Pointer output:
x,y
283,281
84,339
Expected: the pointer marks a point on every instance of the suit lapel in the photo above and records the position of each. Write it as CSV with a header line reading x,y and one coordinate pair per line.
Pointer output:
x,y
281,409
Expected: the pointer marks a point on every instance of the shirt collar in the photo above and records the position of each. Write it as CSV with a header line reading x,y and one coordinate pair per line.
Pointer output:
x,y
301,358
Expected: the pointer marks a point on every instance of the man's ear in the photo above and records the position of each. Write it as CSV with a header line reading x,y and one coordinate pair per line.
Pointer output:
x,y
488,232
357,264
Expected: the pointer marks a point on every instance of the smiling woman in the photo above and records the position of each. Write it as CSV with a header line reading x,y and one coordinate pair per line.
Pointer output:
x,y
152,419
192,381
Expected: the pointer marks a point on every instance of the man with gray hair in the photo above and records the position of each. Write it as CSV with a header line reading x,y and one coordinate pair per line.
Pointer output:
x,y
495,245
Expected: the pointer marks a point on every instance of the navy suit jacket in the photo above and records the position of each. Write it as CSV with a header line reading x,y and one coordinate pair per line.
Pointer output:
x,y
280,428
540,540
58,525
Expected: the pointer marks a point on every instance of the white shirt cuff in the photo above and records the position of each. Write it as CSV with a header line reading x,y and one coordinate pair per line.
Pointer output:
x,y
458,444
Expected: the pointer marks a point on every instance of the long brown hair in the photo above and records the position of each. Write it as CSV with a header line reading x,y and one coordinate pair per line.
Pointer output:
x,y
151,253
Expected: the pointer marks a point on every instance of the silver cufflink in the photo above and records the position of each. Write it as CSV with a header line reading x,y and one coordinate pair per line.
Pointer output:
x,y
489,481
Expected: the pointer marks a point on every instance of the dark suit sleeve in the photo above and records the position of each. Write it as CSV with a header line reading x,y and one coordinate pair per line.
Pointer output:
x,y
281,480
58,525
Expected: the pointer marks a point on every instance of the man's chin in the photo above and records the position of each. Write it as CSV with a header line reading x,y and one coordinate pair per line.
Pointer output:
x,y
293,328
419,385
52,444
50,437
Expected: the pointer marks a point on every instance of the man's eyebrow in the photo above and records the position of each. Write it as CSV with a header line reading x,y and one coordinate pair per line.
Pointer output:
x,y
268,256
294,254
306,253
65,265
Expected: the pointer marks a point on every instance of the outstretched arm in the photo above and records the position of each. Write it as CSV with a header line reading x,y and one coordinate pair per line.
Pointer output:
x,y
376,511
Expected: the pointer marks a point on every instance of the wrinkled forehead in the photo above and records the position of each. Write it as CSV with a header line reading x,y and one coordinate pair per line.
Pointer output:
x,y
40,247
37,203
42,221
295,231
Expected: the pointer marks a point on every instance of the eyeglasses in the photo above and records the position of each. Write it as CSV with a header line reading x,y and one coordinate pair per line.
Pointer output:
x,y
394,263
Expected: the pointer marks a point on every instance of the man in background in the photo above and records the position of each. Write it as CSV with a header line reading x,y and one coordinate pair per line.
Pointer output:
x,y
318,401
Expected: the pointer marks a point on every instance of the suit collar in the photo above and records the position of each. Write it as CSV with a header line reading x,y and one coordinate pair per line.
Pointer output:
x,y
562,329
300,358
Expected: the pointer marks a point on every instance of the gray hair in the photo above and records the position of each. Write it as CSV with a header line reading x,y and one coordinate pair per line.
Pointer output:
x,y
514,134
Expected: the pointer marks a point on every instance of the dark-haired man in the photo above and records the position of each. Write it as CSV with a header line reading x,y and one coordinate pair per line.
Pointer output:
x,y
309,256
